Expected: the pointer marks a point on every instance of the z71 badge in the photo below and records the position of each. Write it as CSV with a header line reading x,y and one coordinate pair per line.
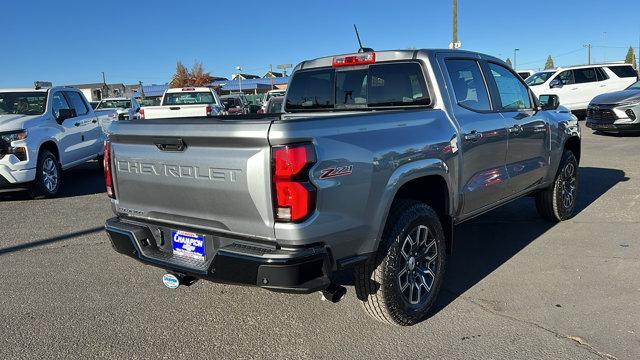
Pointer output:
x,y
336,171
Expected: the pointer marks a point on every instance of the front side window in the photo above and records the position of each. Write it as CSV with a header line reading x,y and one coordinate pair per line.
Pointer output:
x,y
468,84
583,76
76,102
566,77
513,93
23,103
58,102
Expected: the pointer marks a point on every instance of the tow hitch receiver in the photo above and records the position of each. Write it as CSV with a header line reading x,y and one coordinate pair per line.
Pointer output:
x,y
333,293
172,281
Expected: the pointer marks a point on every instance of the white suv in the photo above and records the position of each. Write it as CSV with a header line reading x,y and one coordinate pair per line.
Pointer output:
x,y
44,131
577,85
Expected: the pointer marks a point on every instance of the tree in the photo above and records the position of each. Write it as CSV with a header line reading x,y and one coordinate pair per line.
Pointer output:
x,y
509,62
199,77
196,77
631,57
549,64
181,78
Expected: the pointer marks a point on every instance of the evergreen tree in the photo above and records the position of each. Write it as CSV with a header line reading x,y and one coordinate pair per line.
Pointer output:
x,y
631,57
549,64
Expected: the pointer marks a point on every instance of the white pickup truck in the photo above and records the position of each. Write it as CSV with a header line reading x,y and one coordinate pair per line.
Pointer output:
x,y
185,102
43,131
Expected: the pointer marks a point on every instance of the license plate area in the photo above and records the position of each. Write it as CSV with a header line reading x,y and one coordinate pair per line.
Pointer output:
x,y
189,245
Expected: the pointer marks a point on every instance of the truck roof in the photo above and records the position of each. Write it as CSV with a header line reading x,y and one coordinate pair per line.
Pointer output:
x,y
188,89
390,55
31,89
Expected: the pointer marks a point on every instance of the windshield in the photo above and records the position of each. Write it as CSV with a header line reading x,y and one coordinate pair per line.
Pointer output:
x,y
189,98
539,78
114,104
634,86
380,85
23,103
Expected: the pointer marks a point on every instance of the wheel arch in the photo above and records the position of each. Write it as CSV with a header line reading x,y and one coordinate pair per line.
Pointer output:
x,y
410,181
573,143
51,146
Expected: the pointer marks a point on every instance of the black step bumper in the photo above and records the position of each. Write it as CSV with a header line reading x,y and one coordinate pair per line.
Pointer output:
x,y
231,261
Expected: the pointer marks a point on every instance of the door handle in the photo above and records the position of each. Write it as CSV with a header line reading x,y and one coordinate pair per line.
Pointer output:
x,y
473,136
175,108
515,129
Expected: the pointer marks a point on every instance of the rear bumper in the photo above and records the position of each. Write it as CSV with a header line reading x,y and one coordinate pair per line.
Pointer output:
x,y
232,261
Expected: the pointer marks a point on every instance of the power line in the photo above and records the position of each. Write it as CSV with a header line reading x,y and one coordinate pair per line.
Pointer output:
x,y
552,56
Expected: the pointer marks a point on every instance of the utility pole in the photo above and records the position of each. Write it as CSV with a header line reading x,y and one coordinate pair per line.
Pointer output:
x,y
455,42
514,59
239,68
271,75
588,46
105,87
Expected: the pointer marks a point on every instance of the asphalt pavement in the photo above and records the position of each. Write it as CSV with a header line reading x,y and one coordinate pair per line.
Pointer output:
x,y
516,287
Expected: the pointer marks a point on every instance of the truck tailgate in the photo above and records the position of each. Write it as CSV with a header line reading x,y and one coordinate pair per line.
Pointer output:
x,y
174,111
212,175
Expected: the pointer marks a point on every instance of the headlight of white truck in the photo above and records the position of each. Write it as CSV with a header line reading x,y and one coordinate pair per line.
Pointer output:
x,y
8,137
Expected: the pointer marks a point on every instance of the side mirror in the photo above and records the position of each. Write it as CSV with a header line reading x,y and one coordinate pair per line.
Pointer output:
x,y
64,114
555,83
549,102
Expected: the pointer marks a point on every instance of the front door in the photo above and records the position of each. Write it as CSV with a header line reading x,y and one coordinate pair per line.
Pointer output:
x,y
90,140
483,142
528,132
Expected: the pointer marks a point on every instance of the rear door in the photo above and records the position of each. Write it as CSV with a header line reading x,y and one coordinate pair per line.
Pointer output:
x,y
483,134
213,175
528,132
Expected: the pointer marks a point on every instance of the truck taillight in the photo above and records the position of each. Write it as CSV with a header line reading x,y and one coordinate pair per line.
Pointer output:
x,y
209,110
294,194
356,59
108,178
141,113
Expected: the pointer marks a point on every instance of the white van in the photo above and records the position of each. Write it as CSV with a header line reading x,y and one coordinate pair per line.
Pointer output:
x,y
577,85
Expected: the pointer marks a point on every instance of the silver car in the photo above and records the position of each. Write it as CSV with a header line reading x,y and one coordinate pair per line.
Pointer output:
x,y
617,111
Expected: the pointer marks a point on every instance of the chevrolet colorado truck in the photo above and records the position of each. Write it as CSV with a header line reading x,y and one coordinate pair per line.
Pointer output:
x,y
185,102
374,160
44,130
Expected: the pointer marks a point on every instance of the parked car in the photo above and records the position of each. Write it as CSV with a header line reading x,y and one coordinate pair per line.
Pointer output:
x,y
577,85
616,111
377,156
269,95
185,102
44,131
525,73
273,106
235,104
125,108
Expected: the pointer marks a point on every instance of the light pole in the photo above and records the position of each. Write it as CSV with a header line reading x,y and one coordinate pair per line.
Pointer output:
x,y
515,67
239,68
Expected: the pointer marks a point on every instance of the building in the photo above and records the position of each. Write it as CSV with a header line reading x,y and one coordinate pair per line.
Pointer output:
x,y
272,74
99,91
244,76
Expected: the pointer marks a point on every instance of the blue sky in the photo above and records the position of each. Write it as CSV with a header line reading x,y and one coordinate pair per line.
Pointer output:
x,y
73,41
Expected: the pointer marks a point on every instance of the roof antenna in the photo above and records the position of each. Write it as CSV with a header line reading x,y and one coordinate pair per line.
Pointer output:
x,y
361,49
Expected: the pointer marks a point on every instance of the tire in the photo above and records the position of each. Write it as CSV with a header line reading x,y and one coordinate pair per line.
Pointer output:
x,y
48,176
558,202
385,284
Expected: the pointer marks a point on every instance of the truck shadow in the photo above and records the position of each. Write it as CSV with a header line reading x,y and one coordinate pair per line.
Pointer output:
x,y
85,179
485,243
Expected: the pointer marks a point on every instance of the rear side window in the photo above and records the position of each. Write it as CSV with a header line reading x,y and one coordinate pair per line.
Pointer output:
x,y
468,84
585,75
513,93
379,85
76,102
624,71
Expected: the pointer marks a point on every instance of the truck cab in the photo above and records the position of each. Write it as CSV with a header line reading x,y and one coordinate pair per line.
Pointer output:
x,y
43,131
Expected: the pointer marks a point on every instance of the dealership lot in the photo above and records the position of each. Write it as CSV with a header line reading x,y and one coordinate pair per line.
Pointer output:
x,y
516,286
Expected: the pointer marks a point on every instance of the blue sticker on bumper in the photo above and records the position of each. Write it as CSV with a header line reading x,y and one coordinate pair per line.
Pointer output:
x,y
188,244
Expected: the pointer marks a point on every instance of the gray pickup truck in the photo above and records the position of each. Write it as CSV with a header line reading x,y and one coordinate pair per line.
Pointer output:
x,y
375,159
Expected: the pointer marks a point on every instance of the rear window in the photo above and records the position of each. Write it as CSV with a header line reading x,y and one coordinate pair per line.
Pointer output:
x,y
624,71
188,98
380,85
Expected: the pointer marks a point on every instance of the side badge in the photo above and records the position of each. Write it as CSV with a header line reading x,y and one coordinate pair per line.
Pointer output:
x,y
170,281
336,171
